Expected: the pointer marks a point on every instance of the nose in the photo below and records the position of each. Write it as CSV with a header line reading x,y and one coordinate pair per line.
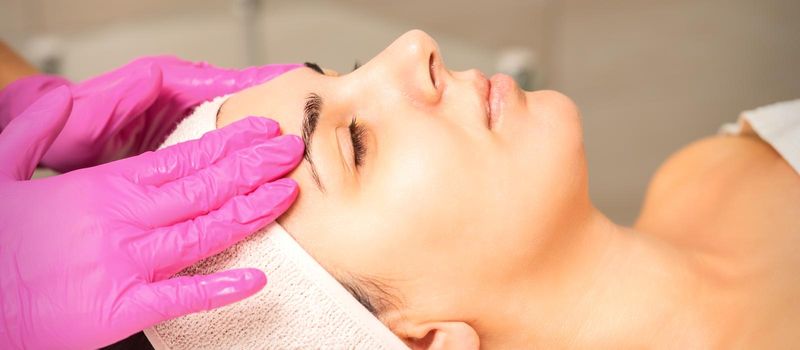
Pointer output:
x,y
419,55
416,45
413,63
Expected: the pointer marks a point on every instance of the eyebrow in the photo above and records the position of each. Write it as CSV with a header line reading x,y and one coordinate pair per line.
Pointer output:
x,y
311,112
314,67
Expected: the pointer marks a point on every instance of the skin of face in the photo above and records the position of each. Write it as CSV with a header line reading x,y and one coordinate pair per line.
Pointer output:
x,y
444,211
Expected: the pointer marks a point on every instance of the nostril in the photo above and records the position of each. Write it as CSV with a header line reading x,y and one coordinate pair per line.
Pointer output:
x,y
432,71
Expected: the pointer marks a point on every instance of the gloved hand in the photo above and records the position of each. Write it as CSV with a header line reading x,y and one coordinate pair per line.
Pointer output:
x,y
129,110
85,256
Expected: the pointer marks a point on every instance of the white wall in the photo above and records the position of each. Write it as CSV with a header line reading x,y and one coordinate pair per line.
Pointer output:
x,y
652,76
325,32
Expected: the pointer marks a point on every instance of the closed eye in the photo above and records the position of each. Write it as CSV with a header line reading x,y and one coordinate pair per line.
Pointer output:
x,y
357,136
357,131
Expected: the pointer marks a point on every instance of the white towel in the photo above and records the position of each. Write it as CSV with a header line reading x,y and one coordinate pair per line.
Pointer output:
x,y
777,124
301,307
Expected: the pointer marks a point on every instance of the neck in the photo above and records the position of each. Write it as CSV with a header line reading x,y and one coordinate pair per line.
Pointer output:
x,y
602,285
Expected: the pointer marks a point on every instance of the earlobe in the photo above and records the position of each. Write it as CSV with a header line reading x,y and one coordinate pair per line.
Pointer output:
x,y
442,336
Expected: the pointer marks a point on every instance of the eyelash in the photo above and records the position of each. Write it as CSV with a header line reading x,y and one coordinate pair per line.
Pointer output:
x,y
319,69
357,132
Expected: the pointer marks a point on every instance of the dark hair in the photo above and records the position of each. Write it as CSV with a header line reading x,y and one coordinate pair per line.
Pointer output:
x,y
136,341
373,293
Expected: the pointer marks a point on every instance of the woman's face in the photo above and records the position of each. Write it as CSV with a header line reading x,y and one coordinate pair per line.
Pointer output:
x,y
452,185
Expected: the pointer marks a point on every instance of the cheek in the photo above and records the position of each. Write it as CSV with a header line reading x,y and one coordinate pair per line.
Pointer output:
x,y
428,181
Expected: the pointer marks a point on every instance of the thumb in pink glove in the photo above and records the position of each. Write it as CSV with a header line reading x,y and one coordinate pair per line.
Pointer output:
x,y
131,109
85,257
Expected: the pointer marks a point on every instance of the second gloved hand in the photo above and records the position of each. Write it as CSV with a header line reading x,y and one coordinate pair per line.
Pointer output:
x,y
128,110
85,257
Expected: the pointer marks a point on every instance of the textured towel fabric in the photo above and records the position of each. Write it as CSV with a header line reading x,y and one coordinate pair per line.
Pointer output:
x,y
777,124
302,306
202,120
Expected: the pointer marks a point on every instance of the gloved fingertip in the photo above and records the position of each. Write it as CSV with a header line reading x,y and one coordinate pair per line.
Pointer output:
x,y
269,127
63,92
254,279
152,85
180,296
255,210
59,95
230,286
22,93
260,207
288,139
291,143
284,187
50,112
277,196
296,141
25,140
144,86
156,74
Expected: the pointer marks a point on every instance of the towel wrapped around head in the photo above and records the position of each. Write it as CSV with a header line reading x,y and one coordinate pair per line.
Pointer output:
x,y
301,307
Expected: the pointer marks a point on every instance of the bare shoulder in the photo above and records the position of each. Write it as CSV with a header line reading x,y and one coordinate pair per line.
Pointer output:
x,y
733,203
724,189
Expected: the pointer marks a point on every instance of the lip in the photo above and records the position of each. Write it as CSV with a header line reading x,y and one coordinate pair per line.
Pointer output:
x,y
484,88
484,91
499,87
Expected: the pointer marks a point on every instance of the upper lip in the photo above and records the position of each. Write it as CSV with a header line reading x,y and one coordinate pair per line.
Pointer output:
x,y
484,91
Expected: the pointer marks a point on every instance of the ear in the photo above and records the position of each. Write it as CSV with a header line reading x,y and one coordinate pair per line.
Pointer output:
x,y
441,336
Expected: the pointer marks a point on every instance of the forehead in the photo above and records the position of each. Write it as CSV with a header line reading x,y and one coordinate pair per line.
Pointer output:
x,y
280,99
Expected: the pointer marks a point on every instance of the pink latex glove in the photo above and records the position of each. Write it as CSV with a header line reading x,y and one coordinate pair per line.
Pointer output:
x,y
129,110
85,256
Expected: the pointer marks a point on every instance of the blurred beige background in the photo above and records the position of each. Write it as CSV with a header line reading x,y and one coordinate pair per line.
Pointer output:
x,y
649,76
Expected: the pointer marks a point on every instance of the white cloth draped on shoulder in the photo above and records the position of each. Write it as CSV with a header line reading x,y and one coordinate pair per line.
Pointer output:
x,y
777,124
